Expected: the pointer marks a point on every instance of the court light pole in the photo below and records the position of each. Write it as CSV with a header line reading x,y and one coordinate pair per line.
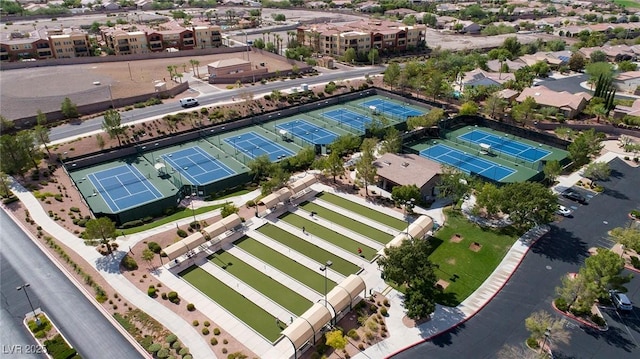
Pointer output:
x,y
24,289
325,268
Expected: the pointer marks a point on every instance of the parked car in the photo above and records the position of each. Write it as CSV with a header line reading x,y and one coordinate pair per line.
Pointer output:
x,y
188,102
621,301
564,211
574,196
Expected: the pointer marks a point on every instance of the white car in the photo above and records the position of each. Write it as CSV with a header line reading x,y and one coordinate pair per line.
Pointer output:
x,y
564,211
188,102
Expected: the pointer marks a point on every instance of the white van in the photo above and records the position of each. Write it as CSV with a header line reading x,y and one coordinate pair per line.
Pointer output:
x,y
188,102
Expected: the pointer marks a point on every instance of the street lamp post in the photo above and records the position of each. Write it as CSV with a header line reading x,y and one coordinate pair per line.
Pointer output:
x,y
547,334
24,289
325,268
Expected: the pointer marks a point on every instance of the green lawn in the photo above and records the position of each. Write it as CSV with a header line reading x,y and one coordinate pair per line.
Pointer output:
x,y
310,250
464,269
628,3
328,235
284,264
244,309
350,223
182,213
261,282
364,211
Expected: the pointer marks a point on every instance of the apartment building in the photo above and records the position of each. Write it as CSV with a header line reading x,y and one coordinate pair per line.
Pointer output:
x,y
43,44
363,35
171,35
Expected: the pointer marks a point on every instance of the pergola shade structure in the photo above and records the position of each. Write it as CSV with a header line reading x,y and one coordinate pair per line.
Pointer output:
x,y
302,184
343,295
418,229
276,197
191,242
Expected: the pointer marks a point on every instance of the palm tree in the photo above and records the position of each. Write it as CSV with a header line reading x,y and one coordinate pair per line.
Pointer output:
x,y
194,66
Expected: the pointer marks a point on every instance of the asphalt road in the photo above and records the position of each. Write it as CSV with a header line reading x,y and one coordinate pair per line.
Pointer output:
x,y
532,287
70,130
81,322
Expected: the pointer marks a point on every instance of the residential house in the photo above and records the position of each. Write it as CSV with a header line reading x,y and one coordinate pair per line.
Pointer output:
x,y
408,169
614,53
465,27
553,59
512,66
125,42
207,36
229,66
627,81
400,13
44,43
507,94
479,77
567,103
621,111
68,43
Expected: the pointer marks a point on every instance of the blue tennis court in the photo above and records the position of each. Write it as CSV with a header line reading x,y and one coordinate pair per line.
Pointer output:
x,y
253,145
123,187
391,108
466,162
197,166
309,132
505,145
350,118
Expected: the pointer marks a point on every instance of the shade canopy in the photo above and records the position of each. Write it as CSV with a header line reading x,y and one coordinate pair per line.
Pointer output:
x,y
276,197
303,183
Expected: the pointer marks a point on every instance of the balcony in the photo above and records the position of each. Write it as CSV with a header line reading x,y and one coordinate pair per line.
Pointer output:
x,y
79,43
81,49
123,42
188,42
124,49
44,54
43,46
155,46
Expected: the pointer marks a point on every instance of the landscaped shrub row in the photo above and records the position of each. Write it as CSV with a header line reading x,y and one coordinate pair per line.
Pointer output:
x,y
101,295
59,349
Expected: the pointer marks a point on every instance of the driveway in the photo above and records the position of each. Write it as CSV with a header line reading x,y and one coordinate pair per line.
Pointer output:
x,y
532,287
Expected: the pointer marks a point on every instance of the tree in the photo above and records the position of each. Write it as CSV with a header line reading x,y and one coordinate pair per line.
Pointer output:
x,y
584,146
345,144
69,109
628,237
27,144
489,197
349,55
333,165
494,106
41,132
5,124
597,171
103,229
523,111
392,74
260,167
408,264
625,66
435,84
602,272
552,170
512,45
373,56
336,339
13,158
148,255
575,292
111,124
453,183
228,209
406,193
597,69
528,203
598,56
392,141
195,67
541,321
468,108
366,171
427,120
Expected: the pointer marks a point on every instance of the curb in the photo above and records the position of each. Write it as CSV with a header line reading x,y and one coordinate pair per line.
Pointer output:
x,y
515,269
78,285
39,346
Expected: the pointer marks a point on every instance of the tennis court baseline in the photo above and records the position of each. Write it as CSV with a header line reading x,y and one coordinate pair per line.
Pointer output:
x,y
254,145
350,118
123,187
307,131
388,107
467,163
505,145
197,166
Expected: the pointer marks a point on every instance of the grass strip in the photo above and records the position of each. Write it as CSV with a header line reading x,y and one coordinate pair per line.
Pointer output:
x,y
330,236
464,269
182,213
350,223
284,264
244,309
310,250
364,211
261,282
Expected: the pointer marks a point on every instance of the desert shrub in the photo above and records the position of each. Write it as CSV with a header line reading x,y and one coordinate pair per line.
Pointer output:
x,y
635,262
129,263
214,341
206,323
353,334
176,345
205,331
152,291
154,247
153,348
131,224
191,307
74,209
532,343
216,331
195,323
383,311
184,351
164,296
561,304
163,353
236,355
181,233
173,297
224,350
386,302
598,320
171,338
